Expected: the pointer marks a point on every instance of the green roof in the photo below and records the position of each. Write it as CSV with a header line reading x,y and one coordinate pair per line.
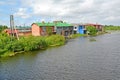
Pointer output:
x,y
62,24
45,24
59,24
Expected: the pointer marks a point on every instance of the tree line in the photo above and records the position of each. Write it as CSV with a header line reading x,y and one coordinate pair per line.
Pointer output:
x,y
111,27
2,27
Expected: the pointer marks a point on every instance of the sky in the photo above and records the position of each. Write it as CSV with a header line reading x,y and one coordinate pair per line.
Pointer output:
x,y
26,12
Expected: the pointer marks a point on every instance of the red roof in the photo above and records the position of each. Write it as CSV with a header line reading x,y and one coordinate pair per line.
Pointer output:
x,y
9,31
93,24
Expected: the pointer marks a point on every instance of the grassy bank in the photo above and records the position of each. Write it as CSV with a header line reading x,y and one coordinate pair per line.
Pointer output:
x,y
31,43
77,35
11,46
112,28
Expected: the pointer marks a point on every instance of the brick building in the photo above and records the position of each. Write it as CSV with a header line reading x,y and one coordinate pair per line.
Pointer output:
x,y
58,27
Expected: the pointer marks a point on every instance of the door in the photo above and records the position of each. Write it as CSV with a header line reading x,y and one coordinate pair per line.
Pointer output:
x,y
81,29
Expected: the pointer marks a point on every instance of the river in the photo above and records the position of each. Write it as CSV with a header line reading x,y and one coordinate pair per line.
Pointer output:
x,y
79,59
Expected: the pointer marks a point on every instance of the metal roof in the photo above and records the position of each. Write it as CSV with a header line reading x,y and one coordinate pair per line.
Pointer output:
x,y
58,24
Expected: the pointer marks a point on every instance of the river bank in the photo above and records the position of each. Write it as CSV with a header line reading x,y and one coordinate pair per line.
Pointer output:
x,y
31,43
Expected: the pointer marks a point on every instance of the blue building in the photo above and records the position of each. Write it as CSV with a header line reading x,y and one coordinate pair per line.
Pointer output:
x,y
79,29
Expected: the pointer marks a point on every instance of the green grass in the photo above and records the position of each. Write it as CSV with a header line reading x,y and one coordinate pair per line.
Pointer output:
x,y
29,43
77,35
112,27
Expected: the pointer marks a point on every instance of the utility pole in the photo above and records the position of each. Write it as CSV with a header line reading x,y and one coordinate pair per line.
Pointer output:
x,y
12,27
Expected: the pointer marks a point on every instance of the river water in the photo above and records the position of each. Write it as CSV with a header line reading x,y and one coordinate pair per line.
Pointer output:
x,y
79,59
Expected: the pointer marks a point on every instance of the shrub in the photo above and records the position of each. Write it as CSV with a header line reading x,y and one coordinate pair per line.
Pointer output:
x,y
91,30
29,43
49,30
55,40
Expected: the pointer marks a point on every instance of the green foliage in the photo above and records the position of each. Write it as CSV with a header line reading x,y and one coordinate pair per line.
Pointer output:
x,y
91,30
29,43
49,30
2,27
112,27
4,40
33,43
55,40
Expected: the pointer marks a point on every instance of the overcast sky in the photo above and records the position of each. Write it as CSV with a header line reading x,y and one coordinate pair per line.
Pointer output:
x,y
72,11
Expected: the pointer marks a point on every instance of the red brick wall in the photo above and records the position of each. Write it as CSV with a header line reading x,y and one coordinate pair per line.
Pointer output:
x,y
24,33
35,30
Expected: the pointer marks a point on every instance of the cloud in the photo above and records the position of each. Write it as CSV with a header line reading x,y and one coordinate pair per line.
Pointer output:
x,y
100,11
8,2
22,12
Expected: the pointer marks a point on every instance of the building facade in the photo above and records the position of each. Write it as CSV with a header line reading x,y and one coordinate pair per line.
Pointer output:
x,y
99,27
81,28
41,29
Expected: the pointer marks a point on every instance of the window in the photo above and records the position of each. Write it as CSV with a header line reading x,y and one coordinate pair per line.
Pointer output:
x,y
75,27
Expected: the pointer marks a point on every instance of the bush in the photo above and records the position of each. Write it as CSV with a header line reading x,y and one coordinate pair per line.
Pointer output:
x,y
32,43
28,43
112,27
49,30
55,40
91,30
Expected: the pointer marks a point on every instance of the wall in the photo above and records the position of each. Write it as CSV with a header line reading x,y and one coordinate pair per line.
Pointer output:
x,y
81,29
35,30
25,33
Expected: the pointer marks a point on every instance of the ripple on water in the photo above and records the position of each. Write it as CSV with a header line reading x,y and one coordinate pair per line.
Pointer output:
x,y
79,59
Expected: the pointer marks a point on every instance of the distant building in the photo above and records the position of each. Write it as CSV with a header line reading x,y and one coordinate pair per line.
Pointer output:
x,y
19,30
11,32
57,27
40,29
79,28
64,28
24,30
99,27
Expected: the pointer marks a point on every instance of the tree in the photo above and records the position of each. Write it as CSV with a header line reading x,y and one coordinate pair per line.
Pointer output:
x,y
91,30
2,27
49,30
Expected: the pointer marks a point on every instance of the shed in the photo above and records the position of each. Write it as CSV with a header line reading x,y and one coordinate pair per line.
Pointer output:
x,y
63,28
41,29
24,30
